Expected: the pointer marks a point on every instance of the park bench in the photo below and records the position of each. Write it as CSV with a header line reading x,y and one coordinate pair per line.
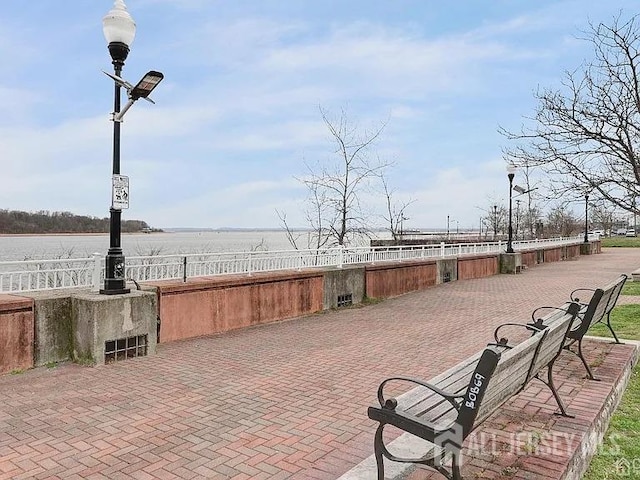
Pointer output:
x,y
445,410
597,309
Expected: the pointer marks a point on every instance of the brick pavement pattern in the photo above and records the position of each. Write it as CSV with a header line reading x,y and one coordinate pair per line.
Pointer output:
x,y
281,401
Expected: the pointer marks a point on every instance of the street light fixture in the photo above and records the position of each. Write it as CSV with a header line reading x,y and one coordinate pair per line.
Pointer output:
x,y
141,90
511,172
522,190
119,30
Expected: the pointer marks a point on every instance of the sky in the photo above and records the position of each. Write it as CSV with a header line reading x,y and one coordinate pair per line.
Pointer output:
x,y
237,116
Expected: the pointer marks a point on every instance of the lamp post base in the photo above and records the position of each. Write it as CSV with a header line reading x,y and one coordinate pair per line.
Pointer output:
x,y
510,262
112,290
114,283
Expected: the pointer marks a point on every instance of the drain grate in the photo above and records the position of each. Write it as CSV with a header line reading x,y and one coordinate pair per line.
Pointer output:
x,y
345,300
123,348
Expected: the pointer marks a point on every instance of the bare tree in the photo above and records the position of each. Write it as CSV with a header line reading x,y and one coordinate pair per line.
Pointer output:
x,y
394,215
495,220
586,135
561,221
531,196
316,210
602,215
334,209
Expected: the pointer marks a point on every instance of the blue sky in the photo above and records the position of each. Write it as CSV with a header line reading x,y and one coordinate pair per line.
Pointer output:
x,y
237,114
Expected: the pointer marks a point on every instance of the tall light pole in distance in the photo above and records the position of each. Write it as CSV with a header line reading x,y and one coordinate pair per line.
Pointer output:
x,y
511,172
586,217
495,222
517,232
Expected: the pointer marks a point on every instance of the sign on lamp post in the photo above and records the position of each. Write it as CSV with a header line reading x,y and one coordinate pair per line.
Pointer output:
x,y
120,192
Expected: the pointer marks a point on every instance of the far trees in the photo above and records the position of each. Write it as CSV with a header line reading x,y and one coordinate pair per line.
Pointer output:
x,y
602,216
586,134
18,222
562,222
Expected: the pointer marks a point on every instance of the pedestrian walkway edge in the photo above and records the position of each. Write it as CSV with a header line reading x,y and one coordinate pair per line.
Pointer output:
x,y
592,439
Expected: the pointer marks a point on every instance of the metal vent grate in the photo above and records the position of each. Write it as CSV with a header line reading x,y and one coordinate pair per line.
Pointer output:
x,y
123,348
345,300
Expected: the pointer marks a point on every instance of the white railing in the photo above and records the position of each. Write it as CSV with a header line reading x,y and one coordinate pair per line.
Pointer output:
x,y
33,275
36,275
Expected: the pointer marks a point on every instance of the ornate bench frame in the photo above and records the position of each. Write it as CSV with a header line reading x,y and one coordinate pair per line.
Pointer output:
x,y
475,388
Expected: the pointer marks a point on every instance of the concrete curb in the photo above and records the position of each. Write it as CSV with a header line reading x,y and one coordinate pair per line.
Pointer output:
x,y
592,439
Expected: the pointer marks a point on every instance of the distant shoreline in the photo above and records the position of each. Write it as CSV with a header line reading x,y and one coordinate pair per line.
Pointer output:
x,y
71,234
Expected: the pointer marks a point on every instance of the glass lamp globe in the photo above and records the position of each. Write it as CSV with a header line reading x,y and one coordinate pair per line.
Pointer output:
x,y
118,25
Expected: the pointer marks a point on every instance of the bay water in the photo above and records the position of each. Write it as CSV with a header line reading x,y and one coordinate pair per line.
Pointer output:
x,y
43,247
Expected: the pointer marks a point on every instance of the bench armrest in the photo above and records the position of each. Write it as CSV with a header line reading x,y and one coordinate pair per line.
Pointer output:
x,y
503,342
576,299
538,321
392,402
420,427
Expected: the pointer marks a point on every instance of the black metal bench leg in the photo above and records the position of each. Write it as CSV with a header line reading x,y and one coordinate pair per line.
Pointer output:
x,y
584,362
378,448
556,395
611,328
455,467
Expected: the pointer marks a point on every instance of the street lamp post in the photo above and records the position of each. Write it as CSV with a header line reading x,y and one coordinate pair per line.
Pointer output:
x,y
586,218
517,232
511,172
495,222
119,30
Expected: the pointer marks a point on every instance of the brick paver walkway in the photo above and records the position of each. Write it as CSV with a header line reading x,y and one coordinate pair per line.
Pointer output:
x,y
281,401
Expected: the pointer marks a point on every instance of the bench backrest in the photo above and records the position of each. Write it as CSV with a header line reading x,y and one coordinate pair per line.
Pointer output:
x,y
616,288
516,367
509,376
557,329
602,302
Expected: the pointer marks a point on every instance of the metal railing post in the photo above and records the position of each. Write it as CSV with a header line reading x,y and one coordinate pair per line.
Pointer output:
x,y
184,269
442,249
341,256
95,277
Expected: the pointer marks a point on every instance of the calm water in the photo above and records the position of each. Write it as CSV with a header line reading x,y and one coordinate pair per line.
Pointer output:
x,y
82,246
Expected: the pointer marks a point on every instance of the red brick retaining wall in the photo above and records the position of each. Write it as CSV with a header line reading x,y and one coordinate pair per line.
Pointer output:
x,y
389,280
16,333
203,306
478,267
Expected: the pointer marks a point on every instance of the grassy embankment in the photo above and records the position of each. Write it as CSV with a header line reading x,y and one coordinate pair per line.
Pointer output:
x,y
619,456
621,242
